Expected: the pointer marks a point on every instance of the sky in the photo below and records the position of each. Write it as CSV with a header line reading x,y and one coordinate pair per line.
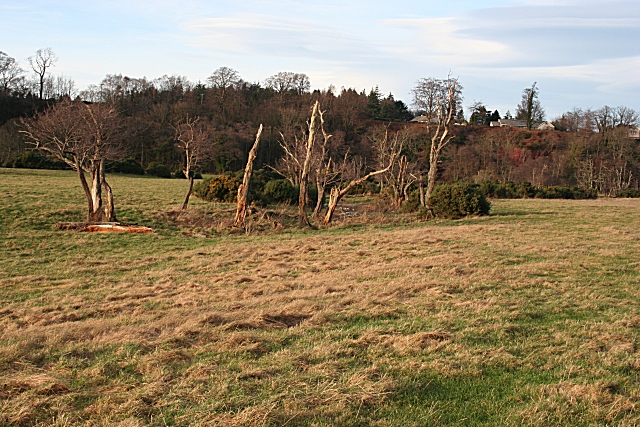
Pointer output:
x,y
583,54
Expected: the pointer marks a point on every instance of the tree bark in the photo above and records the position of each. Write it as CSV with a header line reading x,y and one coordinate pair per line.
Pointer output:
x,y
243,190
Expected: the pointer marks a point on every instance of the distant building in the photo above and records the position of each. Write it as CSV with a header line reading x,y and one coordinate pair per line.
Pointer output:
x,y
634,132
543,126
522,124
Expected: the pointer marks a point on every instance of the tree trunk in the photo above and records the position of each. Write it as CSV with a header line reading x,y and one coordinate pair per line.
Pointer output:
x,y
321,189
96,214
186,197
303,196
334,198
109,207
243,190
423,200
87,191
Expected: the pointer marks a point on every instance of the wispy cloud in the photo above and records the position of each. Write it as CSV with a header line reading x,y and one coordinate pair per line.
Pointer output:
x,y
268,35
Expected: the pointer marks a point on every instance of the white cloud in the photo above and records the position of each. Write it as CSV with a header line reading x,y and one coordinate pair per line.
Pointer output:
x,y
441,39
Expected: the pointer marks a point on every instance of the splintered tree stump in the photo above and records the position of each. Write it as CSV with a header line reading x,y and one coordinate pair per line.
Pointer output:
x,y
103,227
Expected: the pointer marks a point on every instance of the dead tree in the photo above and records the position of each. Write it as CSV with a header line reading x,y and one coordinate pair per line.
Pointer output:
x,y
386,146
340,190
83,136
325,173
439,99
243,190
304,176
192,139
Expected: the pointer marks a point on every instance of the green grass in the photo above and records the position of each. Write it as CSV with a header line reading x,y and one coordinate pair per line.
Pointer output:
x,y
528,317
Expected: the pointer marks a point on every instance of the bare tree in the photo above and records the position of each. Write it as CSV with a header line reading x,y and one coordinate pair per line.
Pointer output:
x,y
83,136
40,63
304,175
438,100
353,173
287,81
626,116
193,140
10,73
324,171
386,145
223,79
243,190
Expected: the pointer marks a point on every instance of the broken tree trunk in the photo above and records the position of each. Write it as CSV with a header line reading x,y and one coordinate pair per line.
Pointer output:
x,y
336,193
109,207
304,177
243,190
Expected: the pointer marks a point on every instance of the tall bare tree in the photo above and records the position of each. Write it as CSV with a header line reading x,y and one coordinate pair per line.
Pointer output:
x,y
243,190
438,100
223,79
529,108
303,220
40,63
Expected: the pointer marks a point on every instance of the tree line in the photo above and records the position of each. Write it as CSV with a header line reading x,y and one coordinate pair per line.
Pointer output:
x,y
335,139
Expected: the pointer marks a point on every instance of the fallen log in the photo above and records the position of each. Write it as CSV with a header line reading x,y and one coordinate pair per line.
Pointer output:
x,y
104,227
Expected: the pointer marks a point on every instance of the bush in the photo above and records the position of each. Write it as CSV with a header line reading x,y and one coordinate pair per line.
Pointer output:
x,y
159,170
629,192
412,204
34,160
523,190
281,191
130,166
458,200
219,188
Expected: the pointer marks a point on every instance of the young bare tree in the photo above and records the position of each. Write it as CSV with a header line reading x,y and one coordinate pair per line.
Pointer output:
x,y
83,136
438,100
40,63
243,190
193,140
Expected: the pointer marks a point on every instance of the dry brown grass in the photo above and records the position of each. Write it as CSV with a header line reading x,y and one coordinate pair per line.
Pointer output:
x,y
528,317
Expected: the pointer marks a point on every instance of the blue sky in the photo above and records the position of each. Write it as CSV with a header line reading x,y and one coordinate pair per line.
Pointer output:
x,y
581,53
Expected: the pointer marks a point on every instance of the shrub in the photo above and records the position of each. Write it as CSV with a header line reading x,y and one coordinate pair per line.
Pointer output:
x,y
458,200
412,204
34,160
159,170
219,188
281,191
130,166
629,192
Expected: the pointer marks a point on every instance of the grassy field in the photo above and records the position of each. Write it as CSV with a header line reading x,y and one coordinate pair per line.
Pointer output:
x,y
528,317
